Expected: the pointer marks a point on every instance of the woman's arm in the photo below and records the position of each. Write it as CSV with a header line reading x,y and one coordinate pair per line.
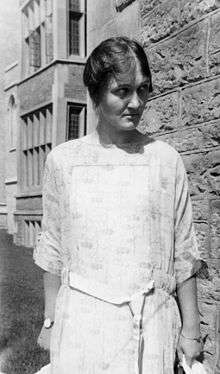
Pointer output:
x,y
52,284
187,297
47,252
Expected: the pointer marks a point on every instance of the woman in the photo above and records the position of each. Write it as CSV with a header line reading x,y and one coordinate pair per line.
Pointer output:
x,y
118,242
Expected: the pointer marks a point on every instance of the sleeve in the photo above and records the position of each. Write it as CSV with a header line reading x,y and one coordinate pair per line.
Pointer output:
x,y
47,251
187,260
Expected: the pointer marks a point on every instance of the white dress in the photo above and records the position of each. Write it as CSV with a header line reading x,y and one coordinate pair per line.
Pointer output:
x,y
117,228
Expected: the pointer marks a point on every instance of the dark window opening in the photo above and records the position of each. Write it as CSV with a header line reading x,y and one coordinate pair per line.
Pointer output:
x,y
74,33
73,122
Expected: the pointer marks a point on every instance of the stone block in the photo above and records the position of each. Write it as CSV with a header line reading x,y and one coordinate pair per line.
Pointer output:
x,y
217,343
200,209
121,4
208,322
208,331
207,291
147,5
75,88
167,113
181,59
208,314
208,300
161,22
214,63
201,103
203,172
214,40
36,90
189,139
31,203
193,9
215,229
214,267
202,234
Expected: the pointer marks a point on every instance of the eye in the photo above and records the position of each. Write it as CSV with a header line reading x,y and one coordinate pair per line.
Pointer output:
x,y
143,91
122,92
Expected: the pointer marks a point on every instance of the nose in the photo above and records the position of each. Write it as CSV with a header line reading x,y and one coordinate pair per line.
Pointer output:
x,y
134,101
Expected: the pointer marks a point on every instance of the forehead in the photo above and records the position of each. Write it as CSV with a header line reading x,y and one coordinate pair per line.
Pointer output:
x,y
133,76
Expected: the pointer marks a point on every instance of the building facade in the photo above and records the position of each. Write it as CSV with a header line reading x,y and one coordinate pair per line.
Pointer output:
x,y
182,40
9,26
50,104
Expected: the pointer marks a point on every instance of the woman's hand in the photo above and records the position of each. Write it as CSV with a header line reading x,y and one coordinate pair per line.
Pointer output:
x,y
190,348
187,297
44,338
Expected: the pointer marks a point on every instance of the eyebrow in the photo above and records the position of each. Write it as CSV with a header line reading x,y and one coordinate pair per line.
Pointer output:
x,y
145,81
126,85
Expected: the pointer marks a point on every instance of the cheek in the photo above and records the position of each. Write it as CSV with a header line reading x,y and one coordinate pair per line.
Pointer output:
x,y
113,106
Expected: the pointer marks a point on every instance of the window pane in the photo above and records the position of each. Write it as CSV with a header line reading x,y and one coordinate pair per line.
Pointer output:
x,y
35,48
74,123
36,144
74,34
74,5
49,39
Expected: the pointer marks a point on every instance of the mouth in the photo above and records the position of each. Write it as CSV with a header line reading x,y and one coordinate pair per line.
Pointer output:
x,y
132,115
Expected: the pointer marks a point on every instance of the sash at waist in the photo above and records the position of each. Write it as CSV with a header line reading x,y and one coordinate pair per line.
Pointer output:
x,y
112,294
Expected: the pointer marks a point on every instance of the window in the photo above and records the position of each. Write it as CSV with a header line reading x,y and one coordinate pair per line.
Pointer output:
x,y
35,48
12,122
36,143
48,28
77,27
37,35
74,34
32,229
76,121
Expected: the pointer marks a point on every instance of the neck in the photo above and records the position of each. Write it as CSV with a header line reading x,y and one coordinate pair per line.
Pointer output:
x,y
109,135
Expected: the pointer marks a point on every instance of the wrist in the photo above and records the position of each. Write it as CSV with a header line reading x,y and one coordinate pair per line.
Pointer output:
x,y
191,330
197,338
192,323
48,323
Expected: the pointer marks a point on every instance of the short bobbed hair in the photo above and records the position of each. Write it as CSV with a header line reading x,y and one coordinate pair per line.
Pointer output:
x,y
113,58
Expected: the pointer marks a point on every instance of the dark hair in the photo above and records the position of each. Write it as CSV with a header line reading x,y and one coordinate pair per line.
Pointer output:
x,y
114,57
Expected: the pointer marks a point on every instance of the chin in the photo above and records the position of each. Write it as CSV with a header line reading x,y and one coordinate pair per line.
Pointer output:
x,y
128,128
129,125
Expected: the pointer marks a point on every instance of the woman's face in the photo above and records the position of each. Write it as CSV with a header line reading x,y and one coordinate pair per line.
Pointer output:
x,y
123,102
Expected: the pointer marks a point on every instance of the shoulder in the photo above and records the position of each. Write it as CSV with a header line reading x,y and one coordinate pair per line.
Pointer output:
x,y
164,151
63,152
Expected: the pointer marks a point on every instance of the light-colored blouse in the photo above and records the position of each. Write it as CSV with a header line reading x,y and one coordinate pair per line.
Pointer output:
x,y
117,228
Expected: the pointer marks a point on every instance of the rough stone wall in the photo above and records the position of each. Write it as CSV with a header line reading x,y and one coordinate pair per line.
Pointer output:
x,y
182,40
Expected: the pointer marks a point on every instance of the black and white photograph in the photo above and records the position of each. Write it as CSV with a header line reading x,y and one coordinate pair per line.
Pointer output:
x,y
109,186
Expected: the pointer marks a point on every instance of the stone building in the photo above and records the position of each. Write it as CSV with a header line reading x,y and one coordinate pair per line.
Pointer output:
x,y
9,53
182,40
48,102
